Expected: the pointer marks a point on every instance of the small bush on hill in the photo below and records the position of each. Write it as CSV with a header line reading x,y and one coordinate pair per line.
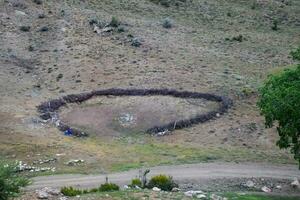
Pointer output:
x,y
70,191
168,3
107,187
10,180
114,22
167,23
296,54
275,25
163,182
136,182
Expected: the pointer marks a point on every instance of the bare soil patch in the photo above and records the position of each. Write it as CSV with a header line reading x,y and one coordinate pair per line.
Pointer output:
x,y
116,115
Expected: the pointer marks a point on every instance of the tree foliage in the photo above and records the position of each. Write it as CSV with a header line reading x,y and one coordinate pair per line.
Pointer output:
x,y
10,180
280,102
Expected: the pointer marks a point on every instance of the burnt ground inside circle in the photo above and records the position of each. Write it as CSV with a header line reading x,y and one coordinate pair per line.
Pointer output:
x,y
116,111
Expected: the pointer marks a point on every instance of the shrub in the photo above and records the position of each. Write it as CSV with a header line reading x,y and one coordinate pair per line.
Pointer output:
x,y
107,187
167,23
275,25
136,182
279,102
114,22
296,54
70,191
10,180
168,3
39,2
25,28
163,182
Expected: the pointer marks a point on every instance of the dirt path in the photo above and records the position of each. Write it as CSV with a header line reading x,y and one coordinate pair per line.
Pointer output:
x,y
181,173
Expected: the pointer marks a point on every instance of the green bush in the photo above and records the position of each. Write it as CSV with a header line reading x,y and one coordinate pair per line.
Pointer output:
x,y
167,23
275,25
168,3
296,54
10,180
136,182
107,187
70,191
279,102
163,182
114,22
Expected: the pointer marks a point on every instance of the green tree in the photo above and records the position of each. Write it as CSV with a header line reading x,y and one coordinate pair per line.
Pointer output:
x,y
280,102
10,180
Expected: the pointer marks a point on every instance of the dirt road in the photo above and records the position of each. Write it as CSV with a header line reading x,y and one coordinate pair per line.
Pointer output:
x,y
181,173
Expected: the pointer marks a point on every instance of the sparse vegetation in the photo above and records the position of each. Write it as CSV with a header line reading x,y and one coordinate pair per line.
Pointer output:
x,y
296,54
25,28
108,187
168,3
136,182
167,23
114,22
70,191
10,180
275,25
279,102
163,182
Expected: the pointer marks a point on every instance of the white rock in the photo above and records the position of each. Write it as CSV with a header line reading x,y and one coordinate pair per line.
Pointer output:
x,y
201,196
175,189
295,183
216,197
156,189
126,187
42,194
279,187
52,191
63,198
137,187
266,189
192,193
18,12
250,184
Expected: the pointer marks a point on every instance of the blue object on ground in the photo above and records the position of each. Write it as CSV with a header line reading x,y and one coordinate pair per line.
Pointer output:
x,y
68,132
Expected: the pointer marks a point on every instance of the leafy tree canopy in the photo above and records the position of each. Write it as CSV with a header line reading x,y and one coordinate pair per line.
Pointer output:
x,y
280,102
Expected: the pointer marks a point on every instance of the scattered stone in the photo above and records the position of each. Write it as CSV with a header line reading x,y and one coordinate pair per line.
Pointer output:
x,y
278,187
156,189
20,13
42,194
216,197
97,29
137,187
162,133
249,184
74,162
192,193
45,161
41,15
201,196
295,183
107,30
175,189
136,42
266,189
63,198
